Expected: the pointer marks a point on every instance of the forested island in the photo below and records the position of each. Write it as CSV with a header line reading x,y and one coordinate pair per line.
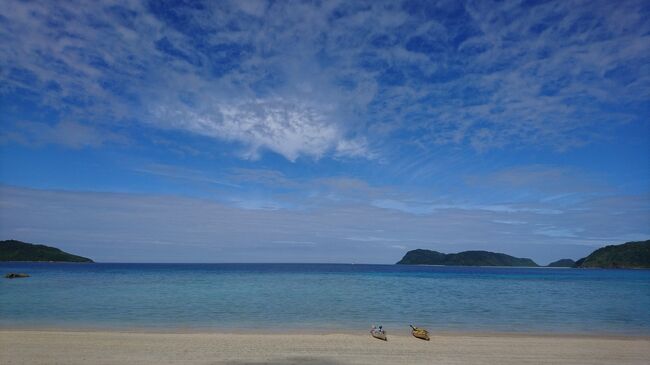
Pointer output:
x,y
12,250
630,255
466,258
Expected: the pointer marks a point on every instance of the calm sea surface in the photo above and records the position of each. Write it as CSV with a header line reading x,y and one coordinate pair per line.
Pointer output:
x,y
221,297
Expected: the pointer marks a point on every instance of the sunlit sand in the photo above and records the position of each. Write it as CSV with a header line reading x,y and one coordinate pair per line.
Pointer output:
x,y
55,347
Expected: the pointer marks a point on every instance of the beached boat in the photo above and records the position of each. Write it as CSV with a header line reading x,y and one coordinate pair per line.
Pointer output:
x,y
420,333
378,332
379,335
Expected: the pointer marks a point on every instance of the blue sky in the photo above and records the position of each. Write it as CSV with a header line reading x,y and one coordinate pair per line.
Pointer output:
x,y
324,131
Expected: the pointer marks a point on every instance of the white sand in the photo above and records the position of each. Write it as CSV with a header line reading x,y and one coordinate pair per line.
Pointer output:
x,y
66,347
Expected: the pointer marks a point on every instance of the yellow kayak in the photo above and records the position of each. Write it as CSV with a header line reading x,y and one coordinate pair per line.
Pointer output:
x,y
420,333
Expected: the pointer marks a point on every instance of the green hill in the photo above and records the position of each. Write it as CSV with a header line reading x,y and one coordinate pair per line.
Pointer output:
x,y
562,263
630,255
13,250
466,258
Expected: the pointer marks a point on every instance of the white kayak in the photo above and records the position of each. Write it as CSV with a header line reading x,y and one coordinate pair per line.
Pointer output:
x,y
379,335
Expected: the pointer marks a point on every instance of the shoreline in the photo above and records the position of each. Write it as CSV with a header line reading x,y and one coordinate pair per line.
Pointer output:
x,y
113,347
320,332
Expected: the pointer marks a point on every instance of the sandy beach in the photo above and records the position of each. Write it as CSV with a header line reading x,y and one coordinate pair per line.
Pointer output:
x,y
70,347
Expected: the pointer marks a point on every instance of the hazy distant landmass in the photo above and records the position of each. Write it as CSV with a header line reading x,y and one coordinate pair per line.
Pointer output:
x,y
12,250
630,255
466,258
562,263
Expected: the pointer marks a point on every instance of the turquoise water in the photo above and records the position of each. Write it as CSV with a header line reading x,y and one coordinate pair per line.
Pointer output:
x,y
218,297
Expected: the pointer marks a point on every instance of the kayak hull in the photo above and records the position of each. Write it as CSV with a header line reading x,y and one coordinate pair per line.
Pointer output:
x,y
379,335
420,335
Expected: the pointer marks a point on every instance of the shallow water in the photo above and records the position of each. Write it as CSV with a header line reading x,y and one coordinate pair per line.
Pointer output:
x,y
325,297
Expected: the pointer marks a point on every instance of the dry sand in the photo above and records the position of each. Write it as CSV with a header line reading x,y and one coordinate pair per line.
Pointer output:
x,y
68,347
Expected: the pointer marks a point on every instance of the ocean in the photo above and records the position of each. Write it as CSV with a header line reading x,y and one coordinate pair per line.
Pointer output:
x,y
324,297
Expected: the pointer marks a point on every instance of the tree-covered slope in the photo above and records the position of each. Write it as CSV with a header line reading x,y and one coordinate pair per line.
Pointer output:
x,y
466,258
423,257
630,255
13,250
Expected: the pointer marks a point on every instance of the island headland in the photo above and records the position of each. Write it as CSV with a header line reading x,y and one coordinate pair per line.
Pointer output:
x,y
12,250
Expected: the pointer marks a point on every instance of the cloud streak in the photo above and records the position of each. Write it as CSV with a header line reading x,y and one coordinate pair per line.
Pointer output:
x,y
117,226
66,133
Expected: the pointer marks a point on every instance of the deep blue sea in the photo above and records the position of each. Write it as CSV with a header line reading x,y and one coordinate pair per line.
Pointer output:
x,y
323,297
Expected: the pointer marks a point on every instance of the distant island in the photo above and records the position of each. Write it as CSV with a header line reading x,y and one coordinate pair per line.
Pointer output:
x,y
12,250
630,255
466,258
562,263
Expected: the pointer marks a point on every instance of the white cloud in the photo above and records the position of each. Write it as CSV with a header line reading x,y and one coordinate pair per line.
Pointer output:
x,y
290,129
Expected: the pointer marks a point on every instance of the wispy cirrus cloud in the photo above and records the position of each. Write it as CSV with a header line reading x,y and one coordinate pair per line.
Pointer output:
x,y
337,79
